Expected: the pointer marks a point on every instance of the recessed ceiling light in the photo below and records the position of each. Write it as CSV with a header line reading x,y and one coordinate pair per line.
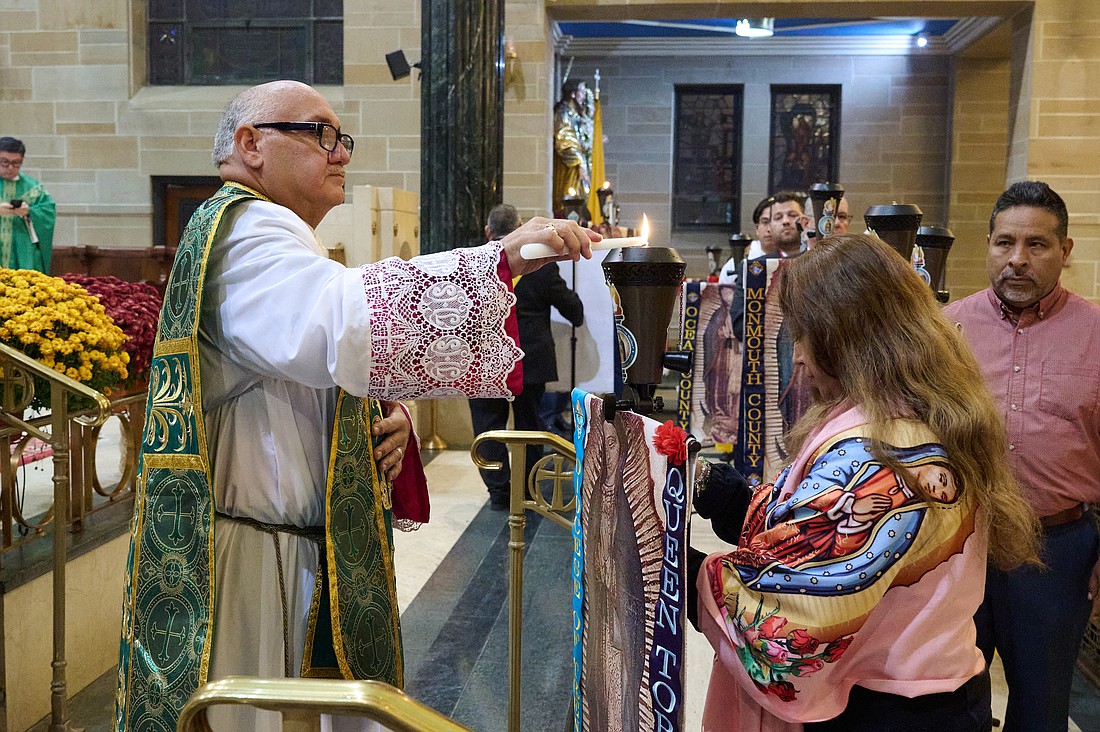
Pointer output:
x,y
755,27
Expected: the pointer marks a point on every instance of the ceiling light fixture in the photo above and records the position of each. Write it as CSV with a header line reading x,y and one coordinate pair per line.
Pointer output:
x,y
755,27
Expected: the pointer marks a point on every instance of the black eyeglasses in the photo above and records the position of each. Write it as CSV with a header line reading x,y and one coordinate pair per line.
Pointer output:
x,y
327,135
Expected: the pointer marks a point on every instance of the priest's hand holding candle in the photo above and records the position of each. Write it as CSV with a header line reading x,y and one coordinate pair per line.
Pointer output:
x,y
541,251
560,239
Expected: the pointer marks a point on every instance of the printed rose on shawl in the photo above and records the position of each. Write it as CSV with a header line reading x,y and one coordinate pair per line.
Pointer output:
x,y
772,626
836,649
758,672
775,652
770,657
671,441
802,642
807,666
783,689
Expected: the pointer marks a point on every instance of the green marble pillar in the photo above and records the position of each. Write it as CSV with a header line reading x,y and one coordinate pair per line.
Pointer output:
x,y
462,120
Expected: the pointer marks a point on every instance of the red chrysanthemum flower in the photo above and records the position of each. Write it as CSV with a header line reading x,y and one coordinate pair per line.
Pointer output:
x,y
135,308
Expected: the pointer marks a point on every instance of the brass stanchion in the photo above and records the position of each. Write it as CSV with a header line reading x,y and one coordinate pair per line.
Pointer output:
x,y
434,441
526,495
59,432
19,370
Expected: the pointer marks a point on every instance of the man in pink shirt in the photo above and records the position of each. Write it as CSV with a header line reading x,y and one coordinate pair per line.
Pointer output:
x,y
1039,348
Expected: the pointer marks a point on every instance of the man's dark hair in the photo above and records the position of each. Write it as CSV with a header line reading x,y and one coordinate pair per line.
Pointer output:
x,y
503,220
11,145
784,196
1037,194
761,207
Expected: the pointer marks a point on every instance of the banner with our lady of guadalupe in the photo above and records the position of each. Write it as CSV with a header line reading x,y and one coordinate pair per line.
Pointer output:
x,y
629,570
709,396
744,364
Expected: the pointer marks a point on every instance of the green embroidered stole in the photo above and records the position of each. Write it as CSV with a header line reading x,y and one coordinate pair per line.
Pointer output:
x,y
168,610
357,568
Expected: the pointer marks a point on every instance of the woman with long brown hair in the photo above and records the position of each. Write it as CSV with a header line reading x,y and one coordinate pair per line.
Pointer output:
x,y
848,602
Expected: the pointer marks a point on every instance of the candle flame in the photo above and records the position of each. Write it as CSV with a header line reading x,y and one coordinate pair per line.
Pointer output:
x,y
572,191
607,184
645,229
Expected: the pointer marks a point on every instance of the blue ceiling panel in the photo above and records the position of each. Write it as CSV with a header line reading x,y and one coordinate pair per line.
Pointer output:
x,y
784,27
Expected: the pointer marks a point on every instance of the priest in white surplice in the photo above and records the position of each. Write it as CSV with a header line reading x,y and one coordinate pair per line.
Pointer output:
x,y
281,333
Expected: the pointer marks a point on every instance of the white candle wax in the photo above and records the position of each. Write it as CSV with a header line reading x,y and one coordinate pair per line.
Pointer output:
x,y
542,251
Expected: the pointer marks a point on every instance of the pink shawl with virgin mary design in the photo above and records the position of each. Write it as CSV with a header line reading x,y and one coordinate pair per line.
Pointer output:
x,y
844,576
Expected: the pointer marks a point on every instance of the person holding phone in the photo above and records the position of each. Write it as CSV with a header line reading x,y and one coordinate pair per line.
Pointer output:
x,y
27,213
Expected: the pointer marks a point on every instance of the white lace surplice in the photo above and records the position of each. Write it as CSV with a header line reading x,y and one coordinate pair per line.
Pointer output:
x,y
443,332
281,327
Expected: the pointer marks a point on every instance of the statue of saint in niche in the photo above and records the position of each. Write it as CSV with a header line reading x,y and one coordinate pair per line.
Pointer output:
x,y
573,141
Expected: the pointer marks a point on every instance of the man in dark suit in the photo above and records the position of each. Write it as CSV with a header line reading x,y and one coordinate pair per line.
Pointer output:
x,y
536,293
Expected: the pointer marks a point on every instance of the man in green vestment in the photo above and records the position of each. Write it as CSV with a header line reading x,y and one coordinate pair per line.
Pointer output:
x,y
271,478
26,213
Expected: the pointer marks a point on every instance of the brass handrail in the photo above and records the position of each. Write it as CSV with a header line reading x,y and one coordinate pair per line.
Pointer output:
x,y
17,370
533,501
302,701
526,495
102,403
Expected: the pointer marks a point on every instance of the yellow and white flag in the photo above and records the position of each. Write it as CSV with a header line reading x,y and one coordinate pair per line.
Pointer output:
x,y
597,163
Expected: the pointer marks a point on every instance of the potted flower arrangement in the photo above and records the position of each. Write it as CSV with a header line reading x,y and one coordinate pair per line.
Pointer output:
x,y
63,327
135,308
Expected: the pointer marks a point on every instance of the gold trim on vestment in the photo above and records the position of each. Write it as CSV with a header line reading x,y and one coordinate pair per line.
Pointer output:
x,y
200,427
387,561
309,671
330,551
385,544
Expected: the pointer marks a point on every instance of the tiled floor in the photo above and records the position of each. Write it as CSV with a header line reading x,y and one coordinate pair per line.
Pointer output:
x,y
453,593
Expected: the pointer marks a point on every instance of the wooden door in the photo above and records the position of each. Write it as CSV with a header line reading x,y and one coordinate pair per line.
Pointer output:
x,y
175,199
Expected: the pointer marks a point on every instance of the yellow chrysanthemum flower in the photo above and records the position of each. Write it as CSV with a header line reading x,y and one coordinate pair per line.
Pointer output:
x,y
62,326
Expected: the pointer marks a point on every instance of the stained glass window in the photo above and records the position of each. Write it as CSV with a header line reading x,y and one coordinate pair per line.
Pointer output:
x,y
805,136
211,42
707,158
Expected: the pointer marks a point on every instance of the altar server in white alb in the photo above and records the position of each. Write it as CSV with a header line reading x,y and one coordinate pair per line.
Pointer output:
x,y
271,479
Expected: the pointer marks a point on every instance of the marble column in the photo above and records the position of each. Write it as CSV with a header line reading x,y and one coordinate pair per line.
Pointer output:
x,y
462,120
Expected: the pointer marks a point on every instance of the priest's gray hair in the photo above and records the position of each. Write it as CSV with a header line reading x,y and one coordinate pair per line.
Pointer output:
x,y
253,105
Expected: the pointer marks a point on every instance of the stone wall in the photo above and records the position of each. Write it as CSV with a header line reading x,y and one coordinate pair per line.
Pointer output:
x,y
70,88
384,114
528,123
978,142
893,131
95,136
1023,110
1057,130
